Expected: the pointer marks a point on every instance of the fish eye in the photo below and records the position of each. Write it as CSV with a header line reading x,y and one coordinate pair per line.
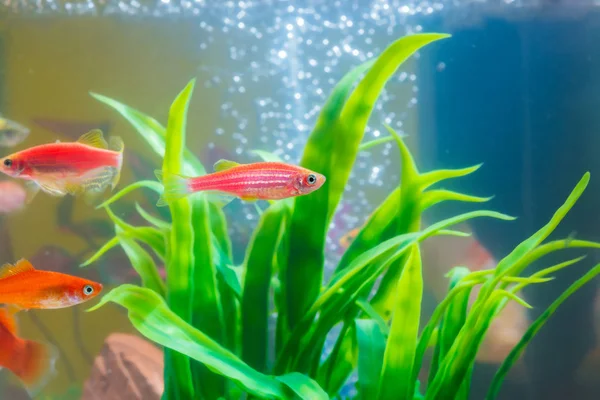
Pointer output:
x,y
8,162
88,289
311,179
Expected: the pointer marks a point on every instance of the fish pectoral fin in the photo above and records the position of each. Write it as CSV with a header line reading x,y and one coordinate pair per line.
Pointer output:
x,y
220,199
51,188
11,270
93,138
249,199
31,190
223,165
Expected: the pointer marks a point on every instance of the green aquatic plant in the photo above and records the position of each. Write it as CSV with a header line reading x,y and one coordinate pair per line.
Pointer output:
x,y
212,317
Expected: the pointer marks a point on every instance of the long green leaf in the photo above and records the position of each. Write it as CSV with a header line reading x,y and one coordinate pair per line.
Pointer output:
x,y
260,267
303,386
396,376
152,185
103,250
206,306
331,150
180,261
143,264
152,318
152,132
149,235
371,348
309,222
533,329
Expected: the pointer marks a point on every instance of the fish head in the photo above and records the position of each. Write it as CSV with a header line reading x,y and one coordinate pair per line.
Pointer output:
x,y
307,181
12,165
81,290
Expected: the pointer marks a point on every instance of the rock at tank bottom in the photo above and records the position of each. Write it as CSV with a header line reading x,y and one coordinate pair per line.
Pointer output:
x,y
127,368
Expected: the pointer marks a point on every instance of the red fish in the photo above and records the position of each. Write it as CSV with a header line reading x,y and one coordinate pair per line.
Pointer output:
x,y
88,165
24,287
250,182
32,362
12,197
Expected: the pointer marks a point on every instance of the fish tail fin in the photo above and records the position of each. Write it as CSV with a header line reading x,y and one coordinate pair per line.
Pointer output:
x,y
175,187
116,144
36,365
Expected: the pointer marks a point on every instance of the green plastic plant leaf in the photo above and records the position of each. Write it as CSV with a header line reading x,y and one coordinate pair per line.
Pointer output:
x,y
103,250
149,235
453,320
157,222
534,328
347,285
396,376
229,278
152,185
206,307
180,260
371,347
260,267
331,150
309,223
152,318
375,142
400,213
303,386
143,264
370,311
152,132
461,356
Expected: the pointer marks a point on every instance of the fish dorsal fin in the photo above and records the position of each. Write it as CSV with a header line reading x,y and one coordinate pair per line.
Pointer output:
x,y
20,267
8,321
223,165
93,138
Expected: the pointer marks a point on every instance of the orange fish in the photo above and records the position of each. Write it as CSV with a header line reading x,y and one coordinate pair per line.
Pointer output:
x,y
88,165
24,287
250,182
32,362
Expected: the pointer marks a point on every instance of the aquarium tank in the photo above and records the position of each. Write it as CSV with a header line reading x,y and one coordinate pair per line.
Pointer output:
x,y
318,199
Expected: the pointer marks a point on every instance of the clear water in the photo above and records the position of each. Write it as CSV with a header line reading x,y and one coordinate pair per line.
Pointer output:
x,y
515,88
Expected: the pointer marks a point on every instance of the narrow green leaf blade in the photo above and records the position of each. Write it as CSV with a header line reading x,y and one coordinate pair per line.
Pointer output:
x,y
371,348
151,131
206,307
396,376
303,386
143,264
180,260
152,318
260,267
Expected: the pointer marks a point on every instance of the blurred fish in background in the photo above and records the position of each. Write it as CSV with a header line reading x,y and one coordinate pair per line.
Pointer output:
x,y
13,197
12,133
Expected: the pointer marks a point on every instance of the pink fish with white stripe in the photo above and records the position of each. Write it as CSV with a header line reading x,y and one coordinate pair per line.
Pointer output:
x,y
250,182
